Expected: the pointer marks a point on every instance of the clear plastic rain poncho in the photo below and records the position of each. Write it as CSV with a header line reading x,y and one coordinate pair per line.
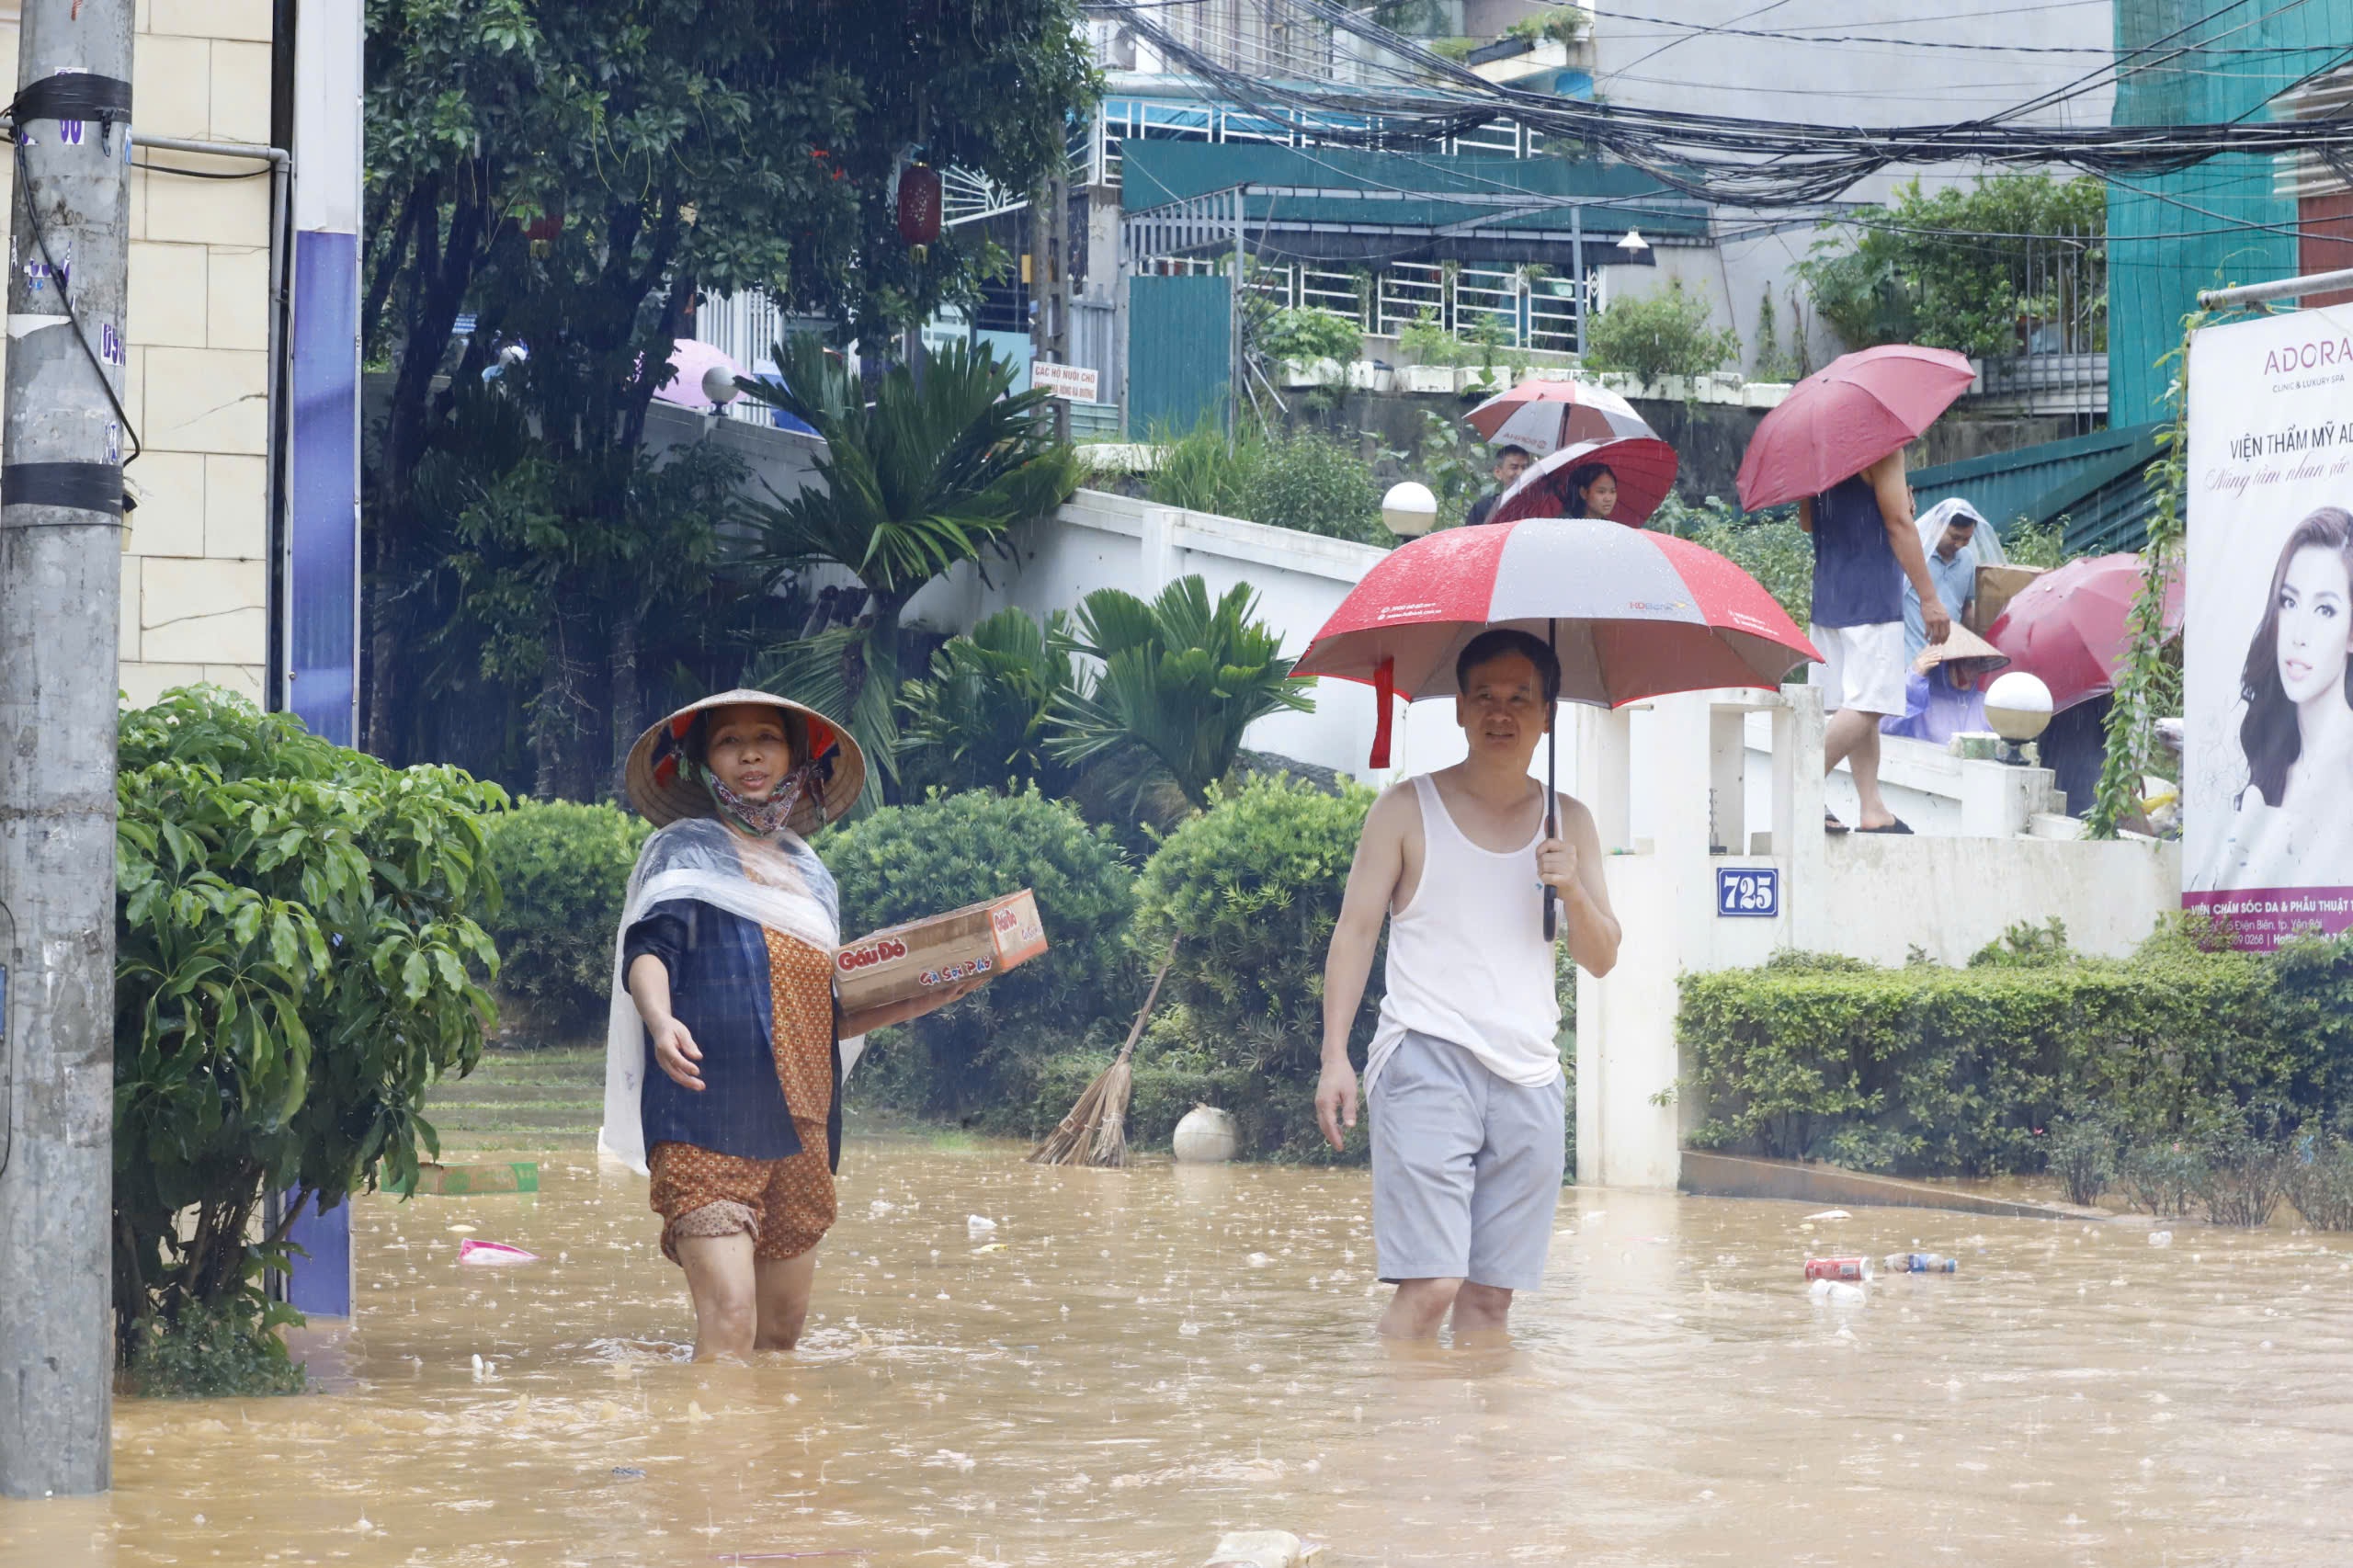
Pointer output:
x,y
776,882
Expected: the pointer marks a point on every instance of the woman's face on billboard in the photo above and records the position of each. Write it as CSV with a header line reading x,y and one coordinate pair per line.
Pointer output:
x,y
2315,623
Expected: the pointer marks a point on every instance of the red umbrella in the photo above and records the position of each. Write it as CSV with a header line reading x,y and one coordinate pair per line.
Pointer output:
x,y
1643,465
1846,416
2070,627
1544,416
1631,614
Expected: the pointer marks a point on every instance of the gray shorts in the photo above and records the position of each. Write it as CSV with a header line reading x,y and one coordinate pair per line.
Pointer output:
x,y
1466,1168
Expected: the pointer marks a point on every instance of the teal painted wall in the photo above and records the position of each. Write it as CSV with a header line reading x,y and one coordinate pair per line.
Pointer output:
x,y
1180,340
2217,223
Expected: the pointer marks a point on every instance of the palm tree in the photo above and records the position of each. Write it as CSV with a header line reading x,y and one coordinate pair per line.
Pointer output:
x,y
982,719
1181,678
931,473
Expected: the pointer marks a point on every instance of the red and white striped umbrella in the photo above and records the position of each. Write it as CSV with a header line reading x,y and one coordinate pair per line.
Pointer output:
x,y
1632,614
1544,416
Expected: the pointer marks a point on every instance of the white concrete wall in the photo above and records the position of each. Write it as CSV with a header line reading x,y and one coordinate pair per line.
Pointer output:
x,y
1647,64
195,573
1101,541
1871,897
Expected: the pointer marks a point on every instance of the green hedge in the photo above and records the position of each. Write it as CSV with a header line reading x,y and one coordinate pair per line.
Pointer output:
x,y
978,1059
1930,1068
564,868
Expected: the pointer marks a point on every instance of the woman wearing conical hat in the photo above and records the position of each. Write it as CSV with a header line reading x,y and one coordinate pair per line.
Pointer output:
x,y
723,1054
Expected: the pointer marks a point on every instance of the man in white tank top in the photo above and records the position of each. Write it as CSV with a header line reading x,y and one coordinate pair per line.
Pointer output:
x,y
1463,1080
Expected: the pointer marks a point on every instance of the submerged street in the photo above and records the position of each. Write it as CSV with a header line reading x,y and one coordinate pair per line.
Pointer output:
x,y
1133,1361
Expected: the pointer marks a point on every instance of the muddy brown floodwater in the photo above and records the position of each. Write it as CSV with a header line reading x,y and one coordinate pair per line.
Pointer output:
x,y
1135,1360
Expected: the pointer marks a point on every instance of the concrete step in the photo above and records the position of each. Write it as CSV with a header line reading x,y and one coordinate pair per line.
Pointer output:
x,y
1710,1175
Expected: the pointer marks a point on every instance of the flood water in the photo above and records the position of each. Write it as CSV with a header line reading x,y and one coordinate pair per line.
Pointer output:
x,y
1133,1361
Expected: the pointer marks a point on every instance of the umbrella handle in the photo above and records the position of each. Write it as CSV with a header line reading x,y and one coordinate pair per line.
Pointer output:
x,y
1551,791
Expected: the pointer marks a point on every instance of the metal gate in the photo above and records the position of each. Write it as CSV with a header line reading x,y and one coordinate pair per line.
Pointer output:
x,y
1180,364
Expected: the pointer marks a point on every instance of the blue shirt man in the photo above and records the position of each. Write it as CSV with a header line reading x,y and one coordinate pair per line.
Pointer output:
x,y
1952,570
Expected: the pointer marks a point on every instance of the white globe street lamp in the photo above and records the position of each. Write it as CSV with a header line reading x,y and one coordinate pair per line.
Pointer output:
x,y
719,386
1409,509
2018,706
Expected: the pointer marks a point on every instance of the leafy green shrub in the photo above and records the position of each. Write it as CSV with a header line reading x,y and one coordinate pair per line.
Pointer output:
x,y
1933,1069
564,870
1660,336
214,1351
1312,483
1426,341
2082,1154
1305,338
979,1058
2026,946
2240,1175
983,719
1253,885
2320,1184
1202,469
296,959
2161,1176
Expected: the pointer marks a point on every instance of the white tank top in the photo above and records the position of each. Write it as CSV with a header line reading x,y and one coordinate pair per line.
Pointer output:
x,y
1468,962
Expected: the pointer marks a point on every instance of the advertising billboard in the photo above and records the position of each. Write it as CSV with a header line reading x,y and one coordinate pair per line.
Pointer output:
x,y
2268,627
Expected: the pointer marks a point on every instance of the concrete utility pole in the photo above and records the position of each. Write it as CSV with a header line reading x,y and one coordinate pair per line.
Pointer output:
x,y
61,566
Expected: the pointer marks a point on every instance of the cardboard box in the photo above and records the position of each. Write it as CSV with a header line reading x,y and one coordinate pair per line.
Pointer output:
x,y
901,962
1996,586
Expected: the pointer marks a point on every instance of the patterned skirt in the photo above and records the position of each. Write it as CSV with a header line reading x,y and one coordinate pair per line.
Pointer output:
x,y
786,1206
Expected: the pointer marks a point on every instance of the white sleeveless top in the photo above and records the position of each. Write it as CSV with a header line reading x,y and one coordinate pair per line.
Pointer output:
x,y
1468,962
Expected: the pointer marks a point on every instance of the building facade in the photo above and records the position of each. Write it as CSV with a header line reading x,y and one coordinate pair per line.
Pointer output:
x,y
210,333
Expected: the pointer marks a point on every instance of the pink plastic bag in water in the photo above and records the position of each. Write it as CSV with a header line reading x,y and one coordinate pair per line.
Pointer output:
x,y
492,1252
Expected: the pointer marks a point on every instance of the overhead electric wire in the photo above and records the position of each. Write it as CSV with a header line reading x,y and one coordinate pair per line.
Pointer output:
x,y
1403,95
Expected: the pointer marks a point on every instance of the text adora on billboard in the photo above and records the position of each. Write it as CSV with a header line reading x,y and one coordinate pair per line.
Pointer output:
x,y
2268,628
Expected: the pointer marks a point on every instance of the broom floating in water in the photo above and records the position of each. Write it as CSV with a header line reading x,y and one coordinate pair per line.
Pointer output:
x,y
1096,1130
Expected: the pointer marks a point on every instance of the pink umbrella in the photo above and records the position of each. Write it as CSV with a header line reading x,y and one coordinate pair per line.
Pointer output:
x,y
690,360
1644,467
2070,627
1544,416
1846,416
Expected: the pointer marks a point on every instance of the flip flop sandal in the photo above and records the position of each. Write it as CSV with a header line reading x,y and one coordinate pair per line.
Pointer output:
x,y
1898,825
1832,824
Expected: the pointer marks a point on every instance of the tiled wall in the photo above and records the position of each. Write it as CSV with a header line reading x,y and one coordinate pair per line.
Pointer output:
x,y
194,569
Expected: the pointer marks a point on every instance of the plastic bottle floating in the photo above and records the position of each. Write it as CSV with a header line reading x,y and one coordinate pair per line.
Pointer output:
x,y
493,1253
1919,1262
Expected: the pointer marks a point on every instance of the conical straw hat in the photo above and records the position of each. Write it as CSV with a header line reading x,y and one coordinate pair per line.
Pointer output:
x,y
663,789
1972,654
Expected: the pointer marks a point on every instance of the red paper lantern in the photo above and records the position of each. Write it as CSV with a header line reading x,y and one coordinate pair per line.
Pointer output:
x,y
919,204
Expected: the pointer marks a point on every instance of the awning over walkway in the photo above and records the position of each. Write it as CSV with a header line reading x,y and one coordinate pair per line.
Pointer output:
x,y
1349,205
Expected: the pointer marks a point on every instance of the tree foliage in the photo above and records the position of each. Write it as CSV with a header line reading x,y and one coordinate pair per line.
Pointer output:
x,y
578,177
1964,266
296,959
930,474
1180,680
